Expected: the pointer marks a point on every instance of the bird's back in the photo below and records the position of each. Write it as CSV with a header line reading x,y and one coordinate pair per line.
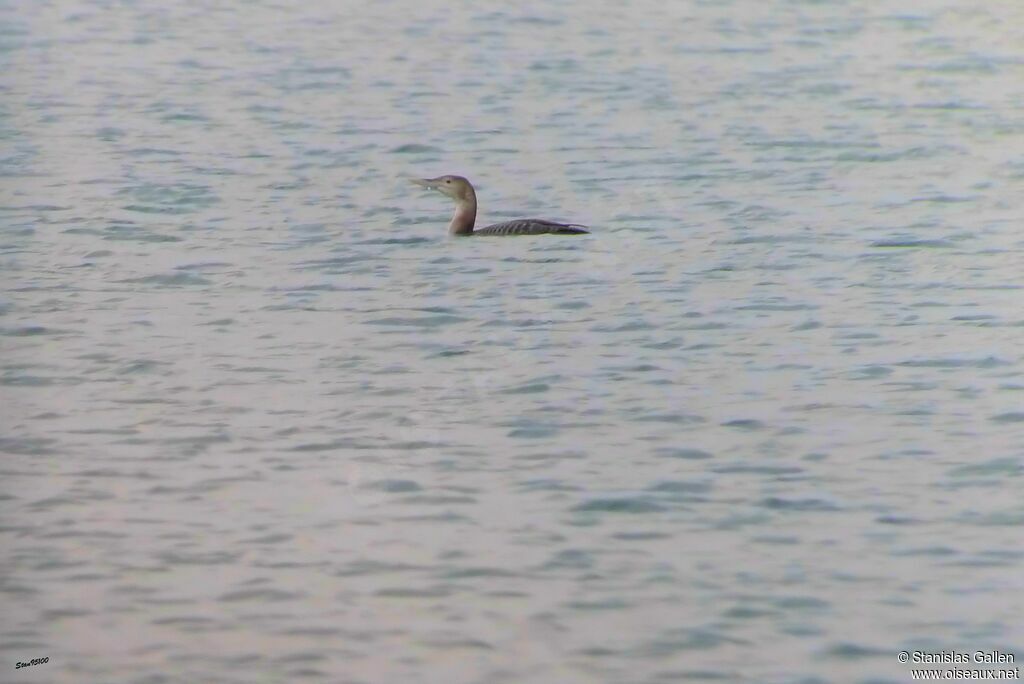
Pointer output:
x,y
532,227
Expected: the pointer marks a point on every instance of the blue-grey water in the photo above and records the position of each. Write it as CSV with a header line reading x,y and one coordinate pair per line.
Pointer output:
x,y
264,421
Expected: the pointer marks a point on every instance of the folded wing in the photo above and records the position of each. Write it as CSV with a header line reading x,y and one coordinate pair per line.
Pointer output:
x,y
532,227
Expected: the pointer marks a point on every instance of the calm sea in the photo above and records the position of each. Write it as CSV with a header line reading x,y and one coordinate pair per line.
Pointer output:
x,y
262,420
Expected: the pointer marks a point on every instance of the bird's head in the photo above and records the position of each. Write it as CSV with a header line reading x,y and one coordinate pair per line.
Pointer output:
x,y
456,187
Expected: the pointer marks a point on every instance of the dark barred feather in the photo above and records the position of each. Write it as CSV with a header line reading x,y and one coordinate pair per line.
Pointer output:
x,y
532,227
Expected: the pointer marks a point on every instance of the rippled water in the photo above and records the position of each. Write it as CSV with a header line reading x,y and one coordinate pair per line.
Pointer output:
x,y
263,421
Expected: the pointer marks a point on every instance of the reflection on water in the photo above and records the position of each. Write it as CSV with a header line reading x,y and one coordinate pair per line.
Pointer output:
x,y
264,421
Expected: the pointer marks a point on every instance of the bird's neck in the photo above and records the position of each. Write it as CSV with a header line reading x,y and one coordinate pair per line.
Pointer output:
x,y
465,216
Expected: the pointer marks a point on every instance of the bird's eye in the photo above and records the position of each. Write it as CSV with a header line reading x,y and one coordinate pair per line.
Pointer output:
x,y
447,180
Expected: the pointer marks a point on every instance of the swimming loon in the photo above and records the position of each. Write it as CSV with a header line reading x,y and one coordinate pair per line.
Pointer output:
x,y
461,190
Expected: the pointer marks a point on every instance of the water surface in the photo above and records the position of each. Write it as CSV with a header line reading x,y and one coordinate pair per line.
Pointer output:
x,y
264,421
